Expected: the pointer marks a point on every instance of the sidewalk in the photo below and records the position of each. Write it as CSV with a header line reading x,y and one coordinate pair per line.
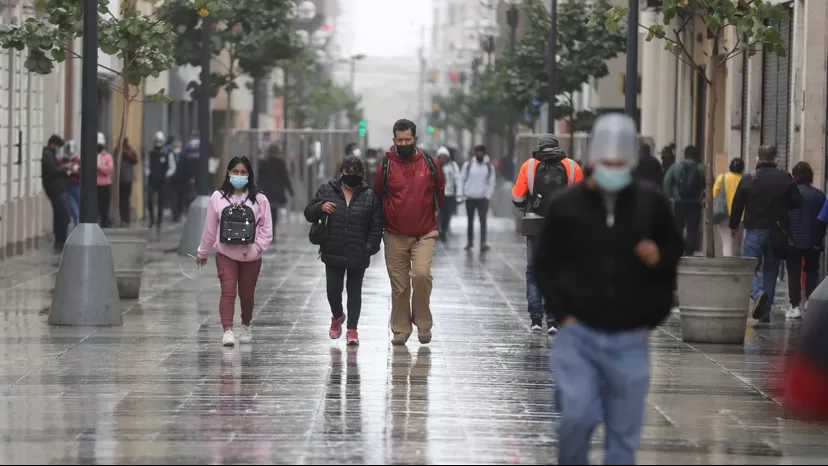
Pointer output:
x,y
161,389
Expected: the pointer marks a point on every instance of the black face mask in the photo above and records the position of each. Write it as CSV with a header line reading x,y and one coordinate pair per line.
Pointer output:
x,y
352,181
406,151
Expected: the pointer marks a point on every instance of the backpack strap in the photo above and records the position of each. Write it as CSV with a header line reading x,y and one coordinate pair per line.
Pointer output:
x,y
530,173
434,178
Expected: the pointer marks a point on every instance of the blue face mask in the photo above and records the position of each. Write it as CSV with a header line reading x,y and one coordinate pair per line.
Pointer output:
x,y
611,179
238,182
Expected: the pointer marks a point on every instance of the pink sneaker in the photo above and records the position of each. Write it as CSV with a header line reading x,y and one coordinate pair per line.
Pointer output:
x,y
352,337
336,327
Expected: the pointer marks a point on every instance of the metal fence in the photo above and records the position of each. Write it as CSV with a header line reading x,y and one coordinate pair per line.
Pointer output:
x,y
312,156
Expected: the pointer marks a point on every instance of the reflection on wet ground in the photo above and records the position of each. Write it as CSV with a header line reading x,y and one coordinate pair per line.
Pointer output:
x,y
162,390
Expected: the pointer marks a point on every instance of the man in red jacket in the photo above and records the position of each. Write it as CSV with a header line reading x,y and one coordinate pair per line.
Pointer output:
x,y
412,188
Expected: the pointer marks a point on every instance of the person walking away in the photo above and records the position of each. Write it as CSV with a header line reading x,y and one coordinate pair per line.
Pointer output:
x,y
275,181
808,235
729,182
55,178
186,172
451,173
71,161
606,263
412,189
765,199
128,161
539,178
160,166
171,185
105,167
684,183
649,168
371,163
354,232
239,248
476,186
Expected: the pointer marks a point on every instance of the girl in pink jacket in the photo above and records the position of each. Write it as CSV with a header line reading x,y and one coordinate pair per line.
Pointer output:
x,y
105,167
239,229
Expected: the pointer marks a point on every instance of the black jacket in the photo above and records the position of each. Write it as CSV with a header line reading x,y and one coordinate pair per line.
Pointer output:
x,y
159,163
55,175
274,180
649,169
765,198
354,230
590,271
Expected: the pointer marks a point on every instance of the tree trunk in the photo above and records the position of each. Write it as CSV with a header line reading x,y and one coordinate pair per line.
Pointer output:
x,y
709,133
218,177
114,210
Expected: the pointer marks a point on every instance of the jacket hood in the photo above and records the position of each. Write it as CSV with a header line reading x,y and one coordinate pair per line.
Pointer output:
x,y
558,155
486,159
393,155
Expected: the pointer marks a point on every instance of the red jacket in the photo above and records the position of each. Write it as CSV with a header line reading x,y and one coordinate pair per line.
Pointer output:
x,y
409,203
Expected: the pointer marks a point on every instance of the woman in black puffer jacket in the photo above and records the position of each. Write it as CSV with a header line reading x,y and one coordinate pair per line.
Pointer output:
x,y
355,223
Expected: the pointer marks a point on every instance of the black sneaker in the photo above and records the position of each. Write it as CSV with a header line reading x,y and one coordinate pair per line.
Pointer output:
x,y
552,327
759,305
537,324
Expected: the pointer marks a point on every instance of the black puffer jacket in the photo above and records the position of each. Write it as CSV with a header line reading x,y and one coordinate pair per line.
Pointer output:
x,y
354,231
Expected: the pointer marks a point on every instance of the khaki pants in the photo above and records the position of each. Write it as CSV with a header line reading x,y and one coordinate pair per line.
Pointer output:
x,y
408,259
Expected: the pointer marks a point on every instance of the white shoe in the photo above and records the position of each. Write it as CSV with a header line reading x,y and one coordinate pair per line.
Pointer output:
x,y
246,335
228,339
794,313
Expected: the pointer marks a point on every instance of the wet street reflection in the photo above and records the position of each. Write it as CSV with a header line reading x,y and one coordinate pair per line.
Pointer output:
x,y
161,389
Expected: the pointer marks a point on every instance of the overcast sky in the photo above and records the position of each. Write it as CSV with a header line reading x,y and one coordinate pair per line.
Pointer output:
x,y
386,28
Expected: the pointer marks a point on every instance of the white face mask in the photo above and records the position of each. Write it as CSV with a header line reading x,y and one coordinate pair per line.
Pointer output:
x,y
356,152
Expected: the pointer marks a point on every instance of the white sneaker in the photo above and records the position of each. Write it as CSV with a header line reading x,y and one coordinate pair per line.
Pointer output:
x,y
228,339
794,313
246,335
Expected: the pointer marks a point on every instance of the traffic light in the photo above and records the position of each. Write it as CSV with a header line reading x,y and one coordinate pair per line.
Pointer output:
x,y
362,128
430,129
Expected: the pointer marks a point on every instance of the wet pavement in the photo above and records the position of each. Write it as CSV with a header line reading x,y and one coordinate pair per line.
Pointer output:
x,y
161,389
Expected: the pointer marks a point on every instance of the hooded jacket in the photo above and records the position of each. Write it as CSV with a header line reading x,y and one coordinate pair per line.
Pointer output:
x,y
477,179
354,229
409,203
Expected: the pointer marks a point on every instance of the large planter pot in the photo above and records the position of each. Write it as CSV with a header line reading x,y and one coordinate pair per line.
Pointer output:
x,y
714,297
129,248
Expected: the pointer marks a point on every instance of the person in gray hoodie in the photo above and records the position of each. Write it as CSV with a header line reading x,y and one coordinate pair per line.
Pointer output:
x,y
476,185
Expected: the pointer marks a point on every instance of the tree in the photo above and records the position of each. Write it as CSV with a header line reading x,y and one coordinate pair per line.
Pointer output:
x,y
319,98
255,34
745,20
144,44
583,54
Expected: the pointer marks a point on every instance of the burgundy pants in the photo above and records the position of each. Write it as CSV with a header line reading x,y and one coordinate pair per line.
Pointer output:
x,y
236,278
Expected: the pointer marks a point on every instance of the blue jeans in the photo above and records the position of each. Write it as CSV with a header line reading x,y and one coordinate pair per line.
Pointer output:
x,y
757,244
534,298
73,203
600,377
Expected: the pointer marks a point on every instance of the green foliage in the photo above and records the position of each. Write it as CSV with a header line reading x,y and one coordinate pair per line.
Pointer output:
x,y
750,18
143,43
318,99
256,34
582,56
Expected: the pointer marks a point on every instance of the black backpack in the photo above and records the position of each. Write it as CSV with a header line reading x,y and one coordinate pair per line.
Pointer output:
x,y
431,166
690,183
237,225
544,178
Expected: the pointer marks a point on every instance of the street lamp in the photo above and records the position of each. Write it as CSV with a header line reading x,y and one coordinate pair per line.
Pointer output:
x,y
489,32
512,16
354,59
631,85
85,292
553,68
197,212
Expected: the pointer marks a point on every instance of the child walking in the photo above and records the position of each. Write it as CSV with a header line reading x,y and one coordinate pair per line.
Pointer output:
x,y
354,232
239,229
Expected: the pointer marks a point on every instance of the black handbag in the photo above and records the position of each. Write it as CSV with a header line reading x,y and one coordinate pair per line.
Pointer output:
x,y
319,231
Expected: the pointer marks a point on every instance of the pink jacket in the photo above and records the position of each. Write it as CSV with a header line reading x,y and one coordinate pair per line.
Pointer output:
x,y
238,252
105,166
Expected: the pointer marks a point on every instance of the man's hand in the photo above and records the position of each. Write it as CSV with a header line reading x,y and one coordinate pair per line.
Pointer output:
x,y
569,320
648,252
329,208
